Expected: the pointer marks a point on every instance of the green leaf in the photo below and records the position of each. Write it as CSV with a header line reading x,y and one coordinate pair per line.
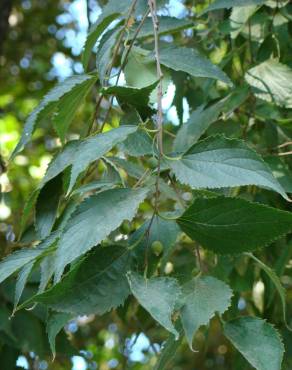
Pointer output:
x,y
21,281
218,162
167,25
80,153
55,323
93,220
68,106
96,284
202,297
95,185
221,4
133,96
281,172
47,206
110,12
50,102
192,62
18,259
138,144
199,121
158,296
272,81
104,52
239,17
231,225
257,341
277,283
27,209
140,71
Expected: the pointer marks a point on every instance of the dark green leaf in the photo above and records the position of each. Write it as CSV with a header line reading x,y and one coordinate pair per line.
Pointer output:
x,y
96,284
55,323
231,225
47,206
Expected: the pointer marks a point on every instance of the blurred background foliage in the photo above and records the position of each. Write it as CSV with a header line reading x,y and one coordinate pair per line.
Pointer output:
x,y
42,44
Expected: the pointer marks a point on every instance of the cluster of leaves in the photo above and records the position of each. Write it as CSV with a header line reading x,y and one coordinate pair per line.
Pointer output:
x,y
167,231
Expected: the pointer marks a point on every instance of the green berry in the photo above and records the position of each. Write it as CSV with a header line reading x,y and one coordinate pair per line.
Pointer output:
x,y
125,228
157,247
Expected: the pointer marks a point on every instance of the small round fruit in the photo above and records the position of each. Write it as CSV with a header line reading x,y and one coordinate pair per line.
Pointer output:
x,y
157,247
125,228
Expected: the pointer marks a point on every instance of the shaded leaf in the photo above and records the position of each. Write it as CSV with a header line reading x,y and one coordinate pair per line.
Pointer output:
x,y
158,296
55,323
133,96
257,341
138,144
231,225
277,283
47,206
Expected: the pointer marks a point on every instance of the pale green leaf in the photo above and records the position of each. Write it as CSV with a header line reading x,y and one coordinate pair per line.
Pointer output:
x,y
221,4
257,341
49,103
93,220
238,18
233,225
272,81
95,185
219,162
140,71
202,297
96,284
192,62
158,296
80,153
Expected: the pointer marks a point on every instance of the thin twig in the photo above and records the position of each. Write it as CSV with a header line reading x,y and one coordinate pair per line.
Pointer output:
x,y
153,11
124,63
